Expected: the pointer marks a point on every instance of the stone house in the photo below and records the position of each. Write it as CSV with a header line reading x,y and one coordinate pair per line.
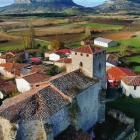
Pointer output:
x,y
104,42
50,106
92,60
131,86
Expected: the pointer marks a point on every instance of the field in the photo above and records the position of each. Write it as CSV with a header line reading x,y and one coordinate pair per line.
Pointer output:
x,y
129,106
102,26
117,36
15,43
65,38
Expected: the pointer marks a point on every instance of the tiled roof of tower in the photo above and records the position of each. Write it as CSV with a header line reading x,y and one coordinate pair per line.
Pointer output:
x,y
89,49
73,83
132,80
34,104
36,77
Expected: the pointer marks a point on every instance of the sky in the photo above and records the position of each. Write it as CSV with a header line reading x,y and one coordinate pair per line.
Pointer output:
x,y
87,3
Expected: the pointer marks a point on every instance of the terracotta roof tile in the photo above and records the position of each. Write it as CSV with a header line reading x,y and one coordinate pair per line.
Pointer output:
x,y
36,78
89,49
132,80
65,60
118,72
8,87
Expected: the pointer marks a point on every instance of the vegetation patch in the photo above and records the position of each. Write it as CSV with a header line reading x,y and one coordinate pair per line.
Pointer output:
x,y
103,26
129,106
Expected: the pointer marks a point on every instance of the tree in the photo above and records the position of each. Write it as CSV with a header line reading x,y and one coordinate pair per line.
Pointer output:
x,y
87,32
28,37
54,70
56,45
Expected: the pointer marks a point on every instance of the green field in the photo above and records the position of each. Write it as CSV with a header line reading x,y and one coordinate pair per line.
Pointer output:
x,y
136,69
103,26
129,106
17,45
75,45
134,59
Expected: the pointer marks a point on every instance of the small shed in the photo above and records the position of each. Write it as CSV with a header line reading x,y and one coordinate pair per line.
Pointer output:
x,y
105,42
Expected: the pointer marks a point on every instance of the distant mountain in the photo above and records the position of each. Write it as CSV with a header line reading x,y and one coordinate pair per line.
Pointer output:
x,y
120,5
38,6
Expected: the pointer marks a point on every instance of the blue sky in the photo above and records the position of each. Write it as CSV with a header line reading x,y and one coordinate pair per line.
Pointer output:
x,y
88,3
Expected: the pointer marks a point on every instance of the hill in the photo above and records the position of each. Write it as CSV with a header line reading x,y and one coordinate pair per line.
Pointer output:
x,y
38,6
129,6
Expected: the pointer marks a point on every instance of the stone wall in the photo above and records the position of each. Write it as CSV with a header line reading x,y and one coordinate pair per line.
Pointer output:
x,y
118,115
8,130
99,66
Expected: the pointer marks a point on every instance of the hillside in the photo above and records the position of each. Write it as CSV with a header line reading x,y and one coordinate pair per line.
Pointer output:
x,y
38,6
130,6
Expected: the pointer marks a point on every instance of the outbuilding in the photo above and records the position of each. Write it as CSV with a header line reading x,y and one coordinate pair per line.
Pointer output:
x,y
104,42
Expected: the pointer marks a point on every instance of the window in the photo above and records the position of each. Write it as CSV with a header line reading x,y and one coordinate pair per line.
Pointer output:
x,y
81,54
87,55
75,53
81,64
135,87
99,66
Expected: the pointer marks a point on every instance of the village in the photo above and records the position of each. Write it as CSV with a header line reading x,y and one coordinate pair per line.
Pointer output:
x,y
64,78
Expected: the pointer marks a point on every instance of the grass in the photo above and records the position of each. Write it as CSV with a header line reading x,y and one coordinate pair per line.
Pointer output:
x,y
17,45
129,106
136,69
103,26
134,59
75,45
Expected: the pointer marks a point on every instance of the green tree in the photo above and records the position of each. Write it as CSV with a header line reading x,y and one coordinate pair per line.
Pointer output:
x,y
56,45
54,70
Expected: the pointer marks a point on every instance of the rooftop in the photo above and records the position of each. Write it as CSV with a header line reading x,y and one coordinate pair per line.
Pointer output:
x,y
65,60
103,40
33,104
73,83
131,80
119,72
8,87
89,49
36,77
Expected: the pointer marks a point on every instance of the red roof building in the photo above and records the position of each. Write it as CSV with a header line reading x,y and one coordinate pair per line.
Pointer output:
x,y
64,51
116,73
36,60
89,49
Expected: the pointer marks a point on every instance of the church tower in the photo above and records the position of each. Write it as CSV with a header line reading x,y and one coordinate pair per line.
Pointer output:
x,y
92,60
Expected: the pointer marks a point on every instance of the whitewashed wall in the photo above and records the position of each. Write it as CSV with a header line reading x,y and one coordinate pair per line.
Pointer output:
x,y
130,90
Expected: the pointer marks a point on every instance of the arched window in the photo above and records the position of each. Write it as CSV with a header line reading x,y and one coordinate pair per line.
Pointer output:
x,y
99,66
81,64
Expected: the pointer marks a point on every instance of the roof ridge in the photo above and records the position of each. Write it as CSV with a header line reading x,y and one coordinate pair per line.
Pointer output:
x,y
122,71
132,79
90,48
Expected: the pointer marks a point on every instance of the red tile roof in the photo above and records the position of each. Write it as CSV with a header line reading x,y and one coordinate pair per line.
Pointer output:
x,y
132,80
8,87
65,60
36,78
65,51
118,72
89,49
35,60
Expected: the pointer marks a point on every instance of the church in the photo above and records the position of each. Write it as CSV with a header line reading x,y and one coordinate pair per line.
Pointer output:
x,y
74,98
